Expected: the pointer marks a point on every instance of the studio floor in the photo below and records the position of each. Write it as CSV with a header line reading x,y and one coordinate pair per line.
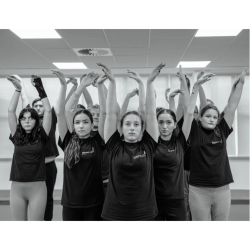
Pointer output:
x,y
238,212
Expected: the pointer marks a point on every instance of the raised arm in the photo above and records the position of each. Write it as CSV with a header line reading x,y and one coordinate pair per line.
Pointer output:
x,y
188,118
60,112
111,108
126,102
74,87
142,96
171,98
13,104
234,100
86,93
167,91
102,101
47,118
151,122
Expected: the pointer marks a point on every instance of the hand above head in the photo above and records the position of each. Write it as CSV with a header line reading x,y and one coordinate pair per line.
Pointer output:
x,y
16,77
101,79
36,81
242,75
176,92
107,71
133,93
73,80
209,75
88,79
94,83
134,75
156,72
180,75
202,81
167,92
16,82
60,75
200,75
82,76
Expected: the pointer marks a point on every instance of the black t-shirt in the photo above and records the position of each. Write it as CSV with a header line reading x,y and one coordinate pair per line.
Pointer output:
x,y
28,162
187,154
82,184
105,161
169,169
209,161
51,148
131,190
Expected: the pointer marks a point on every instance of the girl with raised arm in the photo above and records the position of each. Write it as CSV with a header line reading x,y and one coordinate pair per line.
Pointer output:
x,y
169,158
210,174
83,195
131,191
28,189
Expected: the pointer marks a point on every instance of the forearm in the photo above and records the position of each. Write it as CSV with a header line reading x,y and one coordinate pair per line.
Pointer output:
x,y
61,101
111,102
124,106
24,96
203,99
74,87
46,105
142,99
87,97
14,102
102,98
150,99
235,97
193,98
172,104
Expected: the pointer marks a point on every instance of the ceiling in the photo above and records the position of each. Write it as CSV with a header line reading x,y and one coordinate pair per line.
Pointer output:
x,y
137,49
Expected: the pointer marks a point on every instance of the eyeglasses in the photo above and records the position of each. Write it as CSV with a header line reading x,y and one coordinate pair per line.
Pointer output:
x,y
30,119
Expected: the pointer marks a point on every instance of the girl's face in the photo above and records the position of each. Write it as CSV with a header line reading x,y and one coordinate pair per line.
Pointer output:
x,y
166,125
131,128
82,125
209,119
27,122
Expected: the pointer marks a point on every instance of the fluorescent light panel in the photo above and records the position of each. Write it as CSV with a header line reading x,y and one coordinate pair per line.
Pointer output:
x,y
36,34
70,65
194,64
215,32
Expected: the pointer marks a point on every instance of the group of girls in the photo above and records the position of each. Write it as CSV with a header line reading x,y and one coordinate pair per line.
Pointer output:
x,y
146,164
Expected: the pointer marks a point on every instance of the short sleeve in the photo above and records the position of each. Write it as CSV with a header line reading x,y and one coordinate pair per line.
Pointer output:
x,y
224,128
113,141
97,137
12,138
63,144
180,122
147,139
54,117
194,127
44,136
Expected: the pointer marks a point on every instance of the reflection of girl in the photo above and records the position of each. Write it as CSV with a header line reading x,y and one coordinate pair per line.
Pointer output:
x,y
83,194
131,190
28,187
210,174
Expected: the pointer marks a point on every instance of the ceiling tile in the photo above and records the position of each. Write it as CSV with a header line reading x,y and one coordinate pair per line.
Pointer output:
x,y
201,53
81,33
87,43
59,55
7,62
211,41
127,33
229,63
152,62
241,40
47,43
129,51
169,42
128,42
173,33
244,32
130,59
90,61
131,65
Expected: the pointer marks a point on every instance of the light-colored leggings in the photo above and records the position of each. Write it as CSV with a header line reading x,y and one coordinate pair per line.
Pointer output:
x,y
24,195
209,203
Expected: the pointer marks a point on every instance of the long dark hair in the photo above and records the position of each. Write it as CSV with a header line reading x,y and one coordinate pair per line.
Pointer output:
x,y
175,131
21,136
203,111
72,151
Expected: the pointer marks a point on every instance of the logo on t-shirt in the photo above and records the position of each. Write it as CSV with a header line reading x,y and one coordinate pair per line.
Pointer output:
x,y
215,142
170,151
90,152
137,156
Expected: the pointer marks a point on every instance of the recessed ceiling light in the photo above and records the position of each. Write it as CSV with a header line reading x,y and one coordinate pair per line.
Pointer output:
x,y
36,34
197,64
215,32
70,65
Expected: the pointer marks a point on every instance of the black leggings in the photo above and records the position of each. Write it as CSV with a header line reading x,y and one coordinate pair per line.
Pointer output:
x,y
171,210
82,214
51,172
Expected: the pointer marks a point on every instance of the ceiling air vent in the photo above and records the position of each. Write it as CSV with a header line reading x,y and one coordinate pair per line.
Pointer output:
x,y
93,52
